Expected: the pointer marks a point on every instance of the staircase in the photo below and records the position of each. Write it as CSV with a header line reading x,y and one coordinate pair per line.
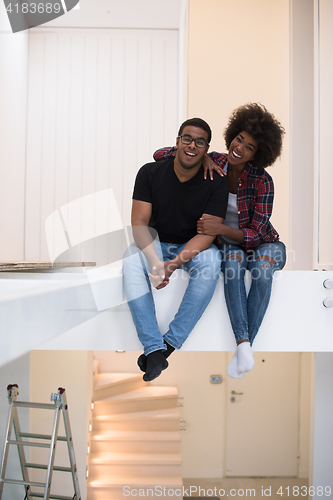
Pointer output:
x,y
135,441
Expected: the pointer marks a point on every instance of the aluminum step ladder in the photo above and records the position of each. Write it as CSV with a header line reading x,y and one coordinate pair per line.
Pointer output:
x,y
14,436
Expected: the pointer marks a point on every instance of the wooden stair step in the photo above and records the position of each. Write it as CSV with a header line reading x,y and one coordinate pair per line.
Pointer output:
x,y
163,414
141,481
134,458
144,393
144,399
136,436
167,419
115,378
110,384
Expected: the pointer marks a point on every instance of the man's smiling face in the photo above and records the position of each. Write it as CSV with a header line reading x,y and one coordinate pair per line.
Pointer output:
x,y
191,155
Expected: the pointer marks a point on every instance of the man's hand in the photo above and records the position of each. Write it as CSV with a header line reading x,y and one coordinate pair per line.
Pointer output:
x,y
157,275
161,273
209,225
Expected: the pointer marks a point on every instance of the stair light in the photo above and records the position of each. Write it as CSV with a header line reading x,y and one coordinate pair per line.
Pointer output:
x,y
92,405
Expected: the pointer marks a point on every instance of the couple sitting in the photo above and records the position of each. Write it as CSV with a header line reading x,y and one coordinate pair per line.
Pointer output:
x,y
173,198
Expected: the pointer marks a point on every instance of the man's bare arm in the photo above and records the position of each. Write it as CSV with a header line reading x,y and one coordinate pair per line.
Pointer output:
x,y
141,213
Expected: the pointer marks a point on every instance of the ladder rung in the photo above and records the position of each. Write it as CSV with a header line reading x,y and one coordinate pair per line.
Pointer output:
x,y
44,466
26,483
26,443
40,436
53,497
27,404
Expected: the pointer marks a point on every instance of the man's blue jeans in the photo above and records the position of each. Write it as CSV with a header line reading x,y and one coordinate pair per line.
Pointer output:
x,y
246,313
204,270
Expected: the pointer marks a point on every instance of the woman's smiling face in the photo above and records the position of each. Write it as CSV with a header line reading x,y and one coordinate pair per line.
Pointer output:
x,y
242,149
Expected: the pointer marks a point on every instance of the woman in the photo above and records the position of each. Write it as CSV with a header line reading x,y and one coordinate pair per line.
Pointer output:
x,y
246,238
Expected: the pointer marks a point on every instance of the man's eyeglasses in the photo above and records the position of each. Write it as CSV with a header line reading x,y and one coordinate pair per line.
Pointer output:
x,y
187,139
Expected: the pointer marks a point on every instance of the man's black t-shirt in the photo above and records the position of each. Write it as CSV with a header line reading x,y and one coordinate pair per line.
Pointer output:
x,y
177,206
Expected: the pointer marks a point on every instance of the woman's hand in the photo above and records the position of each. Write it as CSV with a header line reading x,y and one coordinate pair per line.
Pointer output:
x,y
209,225
208,164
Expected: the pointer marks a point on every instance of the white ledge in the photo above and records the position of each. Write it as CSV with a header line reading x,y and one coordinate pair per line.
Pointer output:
x,y
296,319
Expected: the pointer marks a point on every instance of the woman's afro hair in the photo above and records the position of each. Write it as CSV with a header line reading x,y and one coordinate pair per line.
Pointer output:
x,y
254,119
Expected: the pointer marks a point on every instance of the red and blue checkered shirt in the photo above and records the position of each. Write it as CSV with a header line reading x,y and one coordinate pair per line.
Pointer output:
x,y
255,194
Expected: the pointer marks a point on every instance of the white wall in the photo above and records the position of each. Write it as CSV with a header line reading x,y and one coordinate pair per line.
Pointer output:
x,y
156,14
323,435
325,101
16,225
103,95
13,98
100,102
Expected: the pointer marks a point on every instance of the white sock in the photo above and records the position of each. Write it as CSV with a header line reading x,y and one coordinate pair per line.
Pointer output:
x,y
245,360
232,369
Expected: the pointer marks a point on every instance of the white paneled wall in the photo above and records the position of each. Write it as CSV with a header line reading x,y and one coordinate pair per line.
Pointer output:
x,y
99,103
13,102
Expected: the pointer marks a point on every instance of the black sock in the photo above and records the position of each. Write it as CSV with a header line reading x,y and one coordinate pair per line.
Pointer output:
x,y
142,362
169,350
156,362
142,359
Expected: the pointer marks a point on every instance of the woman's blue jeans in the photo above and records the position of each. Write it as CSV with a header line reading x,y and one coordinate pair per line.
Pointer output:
x,y
204,270
247,312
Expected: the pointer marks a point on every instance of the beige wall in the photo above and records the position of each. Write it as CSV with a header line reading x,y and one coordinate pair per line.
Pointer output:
x,y
238,53
72,370
307,373
302,126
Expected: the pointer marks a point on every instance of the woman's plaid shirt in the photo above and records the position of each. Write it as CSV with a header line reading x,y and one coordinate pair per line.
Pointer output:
x,y
255,194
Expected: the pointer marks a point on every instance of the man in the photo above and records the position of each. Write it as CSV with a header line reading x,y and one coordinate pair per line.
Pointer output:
x,y
170,196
